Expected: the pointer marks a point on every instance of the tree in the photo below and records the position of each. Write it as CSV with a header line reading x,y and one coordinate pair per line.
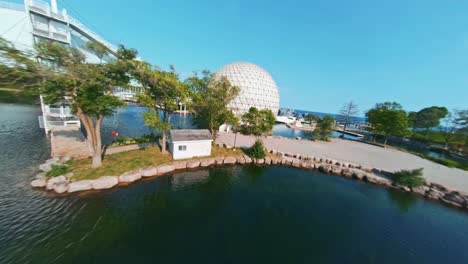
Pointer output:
x,y
387,119
347,112
427,118
410,178
67,77
257,122
311,118
449,127
324,128
97,49
257,150
210,97
163,92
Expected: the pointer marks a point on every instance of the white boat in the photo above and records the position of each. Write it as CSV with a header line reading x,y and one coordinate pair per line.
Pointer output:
x,y
285,119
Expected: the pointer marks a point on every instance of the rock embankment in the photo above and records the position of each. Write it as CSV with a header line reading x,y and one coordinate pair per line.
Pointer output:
x,y
63,184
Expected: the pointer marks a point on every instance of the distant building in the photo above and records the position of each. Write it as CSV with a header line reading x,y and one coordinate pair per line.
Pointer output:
x,y
36,21
189,143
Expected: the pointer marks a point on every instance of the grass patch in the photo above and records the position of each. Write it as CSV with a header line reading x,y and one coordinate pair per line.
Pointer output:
x,y
409,178
117,164
58,170
445,162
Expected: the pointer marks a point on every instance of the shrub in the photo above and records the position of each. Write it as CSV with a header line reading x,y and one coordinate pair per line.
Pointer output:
x,y
409,178
57,170
257,150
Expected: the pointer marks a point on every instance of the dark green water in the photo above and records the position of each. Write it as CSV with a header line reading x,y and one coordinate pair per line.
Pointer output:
x,y
219,215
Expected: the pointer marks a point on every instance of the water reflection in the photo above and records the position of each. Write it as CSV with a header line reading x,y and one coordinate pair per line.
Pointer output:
x,y
404,201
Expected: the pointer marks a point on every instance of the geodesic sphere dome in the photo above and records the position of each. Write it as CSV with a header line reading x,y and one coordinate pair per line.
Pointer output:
x,y
257,87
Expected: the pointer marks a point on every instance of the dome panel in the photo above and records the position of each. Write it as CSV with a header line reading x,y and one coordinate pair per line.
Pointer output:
x,y
257,87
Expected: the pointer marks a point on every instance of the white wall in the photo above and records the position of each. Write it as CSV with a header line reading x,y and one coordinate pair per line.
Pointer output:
x,y
16,28
199,148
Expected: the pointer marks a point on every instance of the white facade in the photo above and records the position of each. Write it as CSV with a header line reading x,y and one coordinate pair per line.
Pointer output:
x,y
189,143
190,149
257,87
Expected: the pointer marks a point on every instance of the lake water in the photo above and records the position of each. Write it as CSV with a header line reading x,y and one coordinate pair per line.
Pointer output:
x,y
128,122
219,215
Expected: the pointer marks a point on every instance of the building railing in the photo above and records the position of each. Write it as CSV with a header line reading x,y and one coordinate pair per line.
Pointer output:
x,y
73,21
40,6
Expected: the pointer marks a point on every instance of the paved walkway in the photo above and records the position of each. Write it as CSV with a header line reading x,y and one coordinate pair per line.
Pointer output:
x,y
68,141
360,153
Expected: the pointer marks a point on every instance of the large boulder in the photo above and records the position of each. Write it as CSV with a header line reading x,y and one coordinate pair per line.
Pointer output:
x,y
241,160
163,169
47,166
130,176
191,164
61,187
230,160
325,168
149,171
348,173
336,169
219,160
267,160
39,182
180,165
56,180
105,182
274,161
80,186
260,161
247,159
207,162
454,199
296,163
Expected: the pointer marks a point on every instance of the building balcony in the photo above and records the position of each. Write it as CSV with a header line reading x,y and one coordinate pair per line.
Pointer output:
x,y
62,112
58,36
43,8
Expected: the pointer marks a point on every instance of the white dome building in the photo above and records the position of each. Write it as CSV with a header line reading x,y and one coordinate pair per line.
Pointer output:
x,y
257,87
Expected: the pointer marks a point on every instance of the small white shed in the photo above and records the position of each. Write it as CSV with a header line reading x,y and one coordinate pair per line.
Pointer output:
x,y
189,143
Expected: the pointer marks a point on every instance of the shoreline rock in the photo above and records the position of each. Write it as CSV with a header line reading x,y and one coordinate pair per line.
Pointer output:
x,y
431,191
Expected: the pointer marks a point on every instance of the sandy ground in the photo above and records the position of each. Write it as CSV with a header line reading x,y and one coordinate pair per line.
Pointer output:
x,y
360,153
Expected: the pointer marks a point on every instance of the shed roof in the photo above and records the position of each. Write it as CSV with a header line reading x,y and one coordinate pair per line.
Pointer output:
x,y
190,134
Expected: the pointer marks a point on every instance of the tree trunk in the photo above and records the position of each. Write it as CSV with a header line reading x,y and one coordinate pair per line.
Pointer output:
x,y
344,129
385,142
97,156
163,144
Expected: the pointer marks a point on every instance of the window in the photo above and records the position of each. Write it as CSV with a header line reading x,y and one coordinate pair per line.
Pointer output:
x,y
182,148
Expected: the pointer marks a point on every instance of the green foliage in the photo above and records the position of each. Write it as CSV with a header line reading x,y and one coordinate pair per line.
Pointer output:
x,y
388,119
324,128
210,97
257,150
257,122
427,118
57,170
97,49
311,118
446,162
164,92
409,178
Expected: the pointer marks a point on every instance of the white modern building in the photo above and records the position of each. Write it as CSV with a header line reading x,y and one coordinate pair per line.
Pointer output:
x,y
257,87
189,143
35,21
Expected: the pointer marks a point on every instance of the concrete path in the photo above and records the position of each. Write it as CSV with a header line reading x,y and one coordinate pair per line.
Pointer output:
x,y
68,141
360,153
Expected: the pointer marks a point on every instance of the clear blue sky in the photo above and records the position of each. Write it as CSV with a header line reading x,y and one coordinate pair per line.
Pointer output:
x,y
320,53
